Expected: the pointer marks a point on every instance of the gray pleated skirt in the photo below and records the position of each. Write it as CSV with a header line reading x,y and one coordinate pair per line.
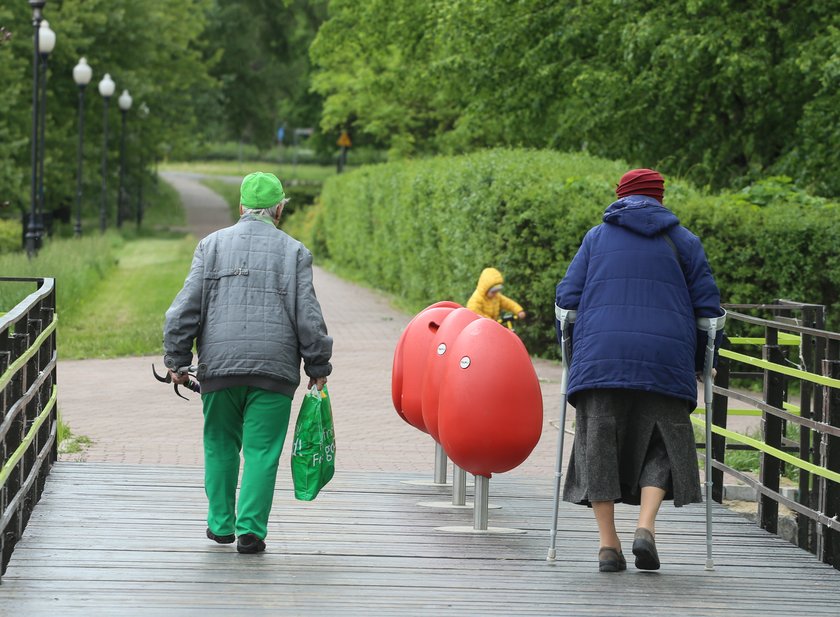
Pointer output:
x,y
627,439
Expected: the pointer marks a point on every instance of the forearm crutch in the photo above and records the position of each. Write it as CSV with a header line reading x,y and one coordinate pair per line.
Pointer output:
x,y
566,318
710,325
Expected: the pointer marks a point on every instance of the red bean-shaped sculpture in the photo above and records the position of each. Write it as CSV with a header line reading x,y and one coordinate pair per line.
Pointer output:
x,y
449,330
410,359
397,376
490,408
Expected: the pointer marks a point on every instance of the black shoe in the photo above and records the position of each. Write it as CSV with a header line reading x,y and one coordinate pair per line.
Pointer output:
x,y
249,543
228,539
644,548
611,560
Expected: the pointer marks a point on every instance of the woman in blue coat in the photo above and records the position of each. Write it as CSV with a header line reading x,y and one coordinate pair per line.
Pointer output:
x,y
638,283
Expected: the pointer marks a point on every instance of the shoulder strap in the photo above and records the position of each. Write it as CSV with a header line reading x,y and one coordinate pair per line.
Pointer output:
x,y
667,237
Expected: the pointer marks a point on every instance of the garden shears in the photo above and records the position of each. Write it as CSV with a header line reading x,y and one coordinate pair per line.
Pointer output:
x,y
184,370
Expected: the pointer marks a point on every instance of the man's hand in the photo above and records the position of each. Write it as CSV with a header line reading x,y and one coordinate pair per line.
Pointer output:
x,y
700,375
521,315
179,378
320,382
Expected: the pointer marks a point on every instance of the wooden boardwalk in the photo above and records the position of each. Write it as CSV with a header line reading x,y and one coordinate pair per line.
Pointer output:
x,y
128,540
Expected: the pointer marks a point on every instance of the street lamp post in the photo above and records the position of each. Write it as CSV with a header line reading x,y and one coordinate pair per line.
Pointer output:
x,y
46,43
106,89
144,113
125,104
82,74
31,237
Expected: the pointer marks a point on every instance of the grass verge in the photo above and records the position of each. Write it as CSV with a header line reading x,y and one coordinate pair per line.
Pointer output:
x,y
76,264
304,173
123,314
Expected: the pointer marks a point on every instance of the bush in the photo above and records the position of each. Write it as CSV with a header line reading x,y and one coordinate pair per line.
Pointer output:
x,y
423,230
307,226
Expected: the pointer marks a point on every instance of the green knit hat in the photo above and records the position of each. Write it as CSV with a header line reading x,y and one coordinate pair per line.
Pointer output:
x,y
261,190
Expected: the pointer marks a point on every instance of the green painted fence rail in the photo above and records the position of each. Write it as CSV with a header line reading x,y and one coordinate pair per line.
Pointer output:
x,y
794,353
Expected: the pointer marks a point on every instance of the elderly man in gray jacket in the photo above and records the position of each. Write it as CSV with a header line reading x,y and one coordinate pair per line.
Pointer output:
x,y
249,305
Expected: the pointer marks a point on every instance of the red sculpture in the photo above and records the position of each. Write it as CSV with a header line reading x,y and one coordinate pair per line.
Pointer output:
x,y
410,360
439,351
490,405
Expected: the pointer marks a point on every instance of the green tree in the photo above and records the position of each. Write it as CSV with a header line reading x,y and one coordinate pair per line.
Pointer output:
x,y
376,62
720,91
152,48
261,60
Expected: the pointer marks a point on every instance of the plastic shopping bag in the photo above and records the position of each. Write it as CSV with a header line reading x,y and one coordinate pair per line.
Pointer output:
x,y
313,449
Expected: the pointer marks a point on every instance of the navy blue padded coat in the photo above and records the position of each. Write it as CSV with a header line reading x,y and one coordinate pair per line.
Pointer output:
x,y
637,303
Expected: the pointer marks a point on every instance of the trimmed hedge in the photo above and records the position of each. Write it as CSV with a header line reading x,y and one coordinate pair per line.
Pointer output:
x,y
423,230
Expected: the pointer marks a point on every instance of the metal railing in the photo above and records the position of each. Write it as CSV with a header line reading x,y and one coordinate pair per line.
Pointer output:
x,y
796,354
28,410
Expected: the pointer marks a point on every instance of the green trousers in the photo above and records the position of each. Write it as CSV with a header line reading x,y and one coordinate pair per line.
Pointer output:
x,y
253,421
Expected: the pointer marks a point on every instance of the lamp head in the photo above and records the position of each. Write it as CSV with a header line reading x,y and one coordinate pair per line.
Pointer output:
x,y
82,73
46,39
125,101
107,86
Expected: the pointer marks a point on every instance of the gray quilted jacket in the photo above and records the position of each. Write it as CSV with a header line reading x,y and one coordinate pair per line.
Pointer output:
x,y
249,305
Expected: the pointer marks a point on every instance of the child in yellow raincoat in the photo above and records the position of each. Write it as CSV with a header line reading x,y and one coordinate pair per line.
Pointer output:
x,y
487,299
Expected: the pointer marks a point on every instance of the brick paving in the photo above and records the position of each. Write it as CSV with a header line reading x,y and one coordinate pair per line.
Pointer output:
x,y
131,418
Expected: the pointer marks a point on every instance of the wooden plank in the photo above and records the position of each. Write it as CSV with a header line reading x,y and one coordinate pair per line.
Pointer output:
x,y
129,540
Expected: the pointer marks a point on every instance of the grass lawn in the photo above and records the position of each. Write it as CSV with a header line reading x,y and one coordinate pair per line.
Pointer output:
x,y
308,173
123,313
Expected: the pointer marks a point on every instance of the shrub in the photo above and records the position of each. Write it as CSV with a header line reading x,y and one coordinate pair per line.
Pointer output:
x,y
423,230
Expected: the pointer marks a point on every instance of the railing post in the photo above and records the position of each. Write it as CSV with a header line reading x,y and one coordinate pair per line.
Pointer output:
x,y
831,453
33,409
5,352
770,468
720,406
17,431
811,353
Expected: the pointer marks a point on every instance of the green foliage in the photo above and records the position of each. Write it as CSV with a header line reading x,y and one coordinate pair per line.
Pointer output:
x,y
151,48
76,264
162,209
750,460
707,90
227,191
260,52
69,442
423,230
131,299
301,183
286,172
11,234
307,226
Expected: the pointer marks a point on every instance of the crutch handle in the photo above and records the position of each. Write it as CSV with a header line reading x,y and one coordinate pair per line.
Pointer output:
x,y
711,324
565,316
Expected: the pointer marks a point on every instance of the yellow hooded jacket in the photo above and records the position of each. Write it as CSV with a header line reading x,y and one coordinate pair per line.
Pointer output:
x,y
491,307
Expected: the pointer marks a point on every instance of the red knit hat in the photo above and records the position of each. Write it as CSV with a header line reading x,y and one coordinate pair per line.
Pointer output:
x,y
642,182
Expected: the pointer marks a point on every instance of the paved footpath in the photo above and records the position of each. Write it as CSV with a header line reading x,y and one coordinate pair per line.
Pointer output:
x,y
131,418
